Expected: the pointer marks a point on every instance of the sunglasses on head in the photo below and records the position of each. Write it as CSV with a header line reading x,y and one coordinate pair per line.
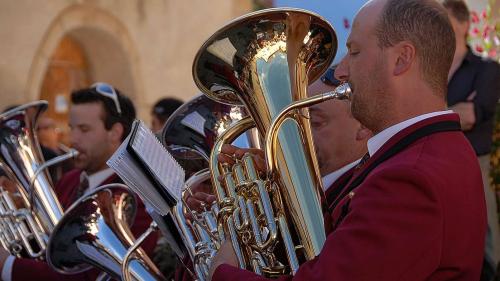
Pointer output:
x,y
108,91
329,78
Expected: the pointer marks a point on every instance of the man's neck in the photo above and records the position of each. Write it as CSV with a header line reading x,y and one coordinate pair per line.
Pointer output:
x,y
460,53
95,171
433,104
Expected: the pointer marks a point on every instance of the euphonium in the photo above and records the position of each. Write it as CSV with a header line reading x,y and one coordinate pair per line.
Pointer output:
x,y
95,231
189,135
264,61
28,214
191,131
191,146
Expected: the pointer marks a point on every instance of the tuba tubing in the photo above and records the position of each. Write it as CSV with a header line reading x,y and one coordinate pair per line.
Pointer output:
x,y
95,232
26,224
264,61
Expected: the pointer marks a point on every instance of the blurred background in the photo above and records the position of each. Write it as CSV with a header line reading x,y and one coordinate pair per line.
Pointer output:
x,y
143,47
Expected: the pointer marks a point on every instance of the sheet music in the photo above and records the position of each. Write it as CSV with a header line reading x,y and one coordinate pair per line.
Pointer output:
x,y
161,163
140,157
195,121
125,167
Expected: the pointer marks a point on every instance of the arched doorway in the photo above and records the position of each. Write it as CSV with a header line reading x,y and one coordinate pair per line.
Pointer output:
x,y
67,70
76,52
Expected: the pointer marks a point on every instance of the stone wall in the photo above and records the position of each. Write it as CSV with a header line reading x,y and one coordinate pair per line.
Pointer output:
x,y
143,47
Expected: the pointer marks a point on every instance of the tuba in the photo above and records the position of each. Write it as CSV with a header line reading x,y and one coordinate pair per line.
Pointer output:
x,y
189,135
264,61
29,213
191,147
95,232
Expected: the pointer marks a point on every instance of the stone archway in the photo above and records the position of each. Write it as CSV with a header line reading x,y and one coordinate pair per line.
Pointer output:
x,y
106,42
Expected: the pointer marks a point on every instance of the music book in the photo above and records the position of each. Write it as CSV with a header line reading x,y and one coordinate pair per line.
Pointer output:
x,y
144,165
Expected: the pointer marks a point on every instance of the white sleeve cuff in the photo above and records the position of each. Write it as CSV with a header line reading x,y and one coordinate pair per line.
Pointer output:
x,y
7,268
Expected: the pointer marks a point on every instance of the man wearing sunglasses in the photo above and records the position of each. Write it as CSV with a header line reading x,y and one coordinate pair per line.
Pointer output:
x,y
100,119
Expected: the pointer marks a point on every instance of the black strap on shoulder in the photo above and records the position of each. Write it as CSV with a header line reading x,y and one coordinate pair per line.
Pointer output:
x,y
443,126
337,189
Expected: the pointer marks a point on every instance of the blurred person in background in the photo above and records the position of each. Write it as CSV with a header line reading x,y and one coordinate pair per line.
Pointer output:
x,y
161,111
473,92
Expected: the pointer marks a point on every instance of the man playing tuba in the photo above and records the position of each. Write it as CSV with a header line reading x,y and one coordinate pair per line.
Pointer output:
x,y
415,209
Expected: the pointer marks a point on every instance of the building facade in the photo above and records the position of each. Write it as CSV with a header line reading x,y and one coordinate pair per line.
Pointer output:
x,y
143,47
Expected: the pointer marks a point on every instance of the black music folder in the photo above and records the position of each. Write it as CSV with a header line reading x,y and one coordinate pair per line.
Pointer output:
x,y
144,164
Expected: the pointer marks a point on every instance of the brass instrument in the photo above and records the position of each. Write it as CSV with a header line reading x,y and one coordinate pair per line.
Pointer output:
x,y
29,213
190,144
192,148
264,61
95,231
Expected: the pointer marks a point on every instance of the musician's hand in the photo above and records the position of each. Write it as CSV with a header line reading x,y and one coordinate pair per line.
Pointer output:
x,y
226,255
199,200
467,115
10,186
7,184
230,152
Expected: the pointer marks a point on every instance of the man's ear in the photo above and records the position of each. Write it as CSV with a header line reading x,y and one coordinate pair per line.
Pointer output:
x,y
404,57
116,132
363,133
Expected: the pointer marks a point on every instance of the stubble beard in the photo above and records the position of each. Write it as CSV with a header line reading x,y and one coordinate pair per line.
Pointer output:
x,y
369,104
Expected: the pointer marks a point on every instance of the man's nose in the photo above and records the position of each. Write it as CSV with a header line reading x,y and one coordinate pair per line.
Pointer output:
x,y
73,138
342,71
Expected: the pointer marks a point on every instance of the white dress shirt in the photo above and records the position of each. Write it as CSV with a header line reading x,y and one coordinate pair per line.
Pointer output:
x,y
95,180
376,142
329,179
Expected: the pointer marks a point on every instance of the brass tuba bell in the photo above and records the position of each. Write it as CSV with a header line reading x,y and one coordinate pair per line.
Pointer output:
x,y
95,231
28,214
264,61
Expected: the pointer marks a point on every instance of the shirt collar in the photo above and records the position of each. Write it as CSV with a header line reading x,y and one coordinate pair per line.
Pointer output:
x,y
377,141
329,179
96,179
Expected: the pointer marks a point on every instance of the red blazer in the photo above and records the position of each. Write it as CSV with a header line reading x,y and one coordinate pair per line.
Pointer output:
x,y
66,189
420,215
331,193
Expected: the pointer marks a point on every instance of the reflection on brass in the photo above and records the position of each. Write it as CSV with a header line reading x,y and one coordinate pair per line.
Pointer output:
x,y
264,61
95,231
29,209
